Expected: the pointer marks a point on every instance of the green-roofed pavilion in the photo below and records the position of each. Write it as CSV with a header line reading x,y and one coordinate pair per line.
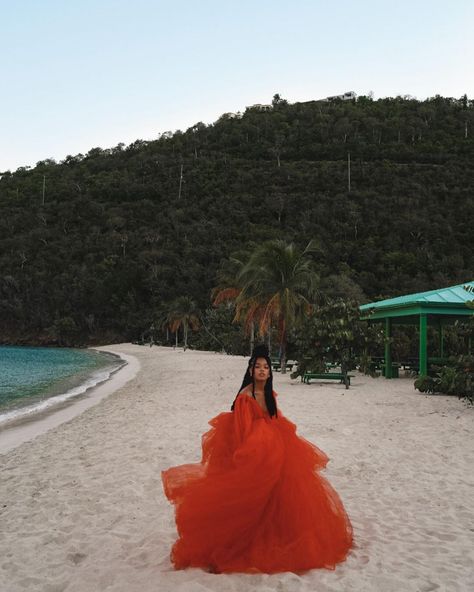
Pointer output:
x,y
436,307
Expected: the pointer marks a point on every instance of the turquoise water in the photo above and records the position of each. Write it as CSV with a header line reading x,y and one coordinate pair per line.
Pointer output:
x,y
34,378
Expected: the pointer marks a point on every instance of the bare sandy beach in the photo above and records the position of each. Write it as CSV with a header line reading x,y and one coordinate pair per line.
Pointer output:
x,y
82,507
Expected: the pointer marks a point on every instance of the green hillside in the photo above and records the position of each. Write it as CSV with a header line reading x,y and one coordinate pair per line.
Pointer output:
x,y
120,234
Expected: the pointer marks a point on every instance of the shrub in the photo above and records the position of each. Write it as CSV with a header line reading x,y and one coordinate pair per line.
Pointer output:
x,y
456,378
425,384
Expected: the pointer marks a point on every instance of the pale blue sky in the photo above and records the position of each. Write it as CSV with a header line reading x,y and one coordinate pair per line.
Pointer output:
x,y
84,73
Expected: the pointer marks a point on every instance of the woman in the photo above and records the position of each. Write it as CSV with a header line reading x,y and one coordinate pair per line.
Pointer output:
x,y
255,502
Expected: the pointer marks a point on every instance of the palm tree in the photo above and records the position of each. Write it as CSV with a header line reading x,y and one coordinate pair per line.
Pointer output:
x,y
183,312
229,289
278,285
160,319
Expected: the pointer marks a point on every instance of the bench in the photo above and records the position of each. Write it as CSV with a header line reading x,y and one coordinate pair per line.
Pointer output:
x,y
308,376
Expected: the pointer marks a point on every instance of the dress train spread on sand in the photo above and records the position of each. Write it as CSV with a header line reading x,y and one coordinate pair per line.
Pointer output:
x,y
256,502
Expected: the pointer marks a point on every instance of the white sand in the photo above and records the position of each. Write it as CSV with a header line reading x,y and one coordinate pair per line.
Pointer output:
x,y
82,507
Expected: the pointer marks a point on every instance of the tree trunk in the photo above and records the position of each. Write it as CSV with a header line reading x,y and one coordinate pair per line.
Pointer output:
x,y
283,346
185,325
283,355
176,337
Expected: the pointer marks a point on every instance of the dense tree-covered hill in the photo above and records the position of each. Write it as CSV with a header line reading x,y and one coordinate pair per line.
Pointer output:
x,y
94,247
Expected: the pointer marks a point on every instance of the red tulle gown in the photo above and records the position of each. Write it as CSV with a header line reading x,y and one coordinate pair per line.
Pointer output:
x,y
256,503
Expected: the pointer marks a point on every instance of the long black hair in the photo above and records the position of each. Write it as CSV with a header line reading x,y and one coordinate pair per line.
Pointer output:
x,y
260,351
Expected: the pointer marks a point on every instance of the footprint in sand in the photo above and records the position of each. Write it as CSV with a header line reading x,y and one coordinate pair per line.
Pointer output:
x,y
76,558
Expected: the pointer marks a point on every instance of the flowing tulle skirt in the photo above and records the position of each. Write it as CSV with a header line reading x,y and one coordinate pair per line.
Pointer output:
x,y
256,502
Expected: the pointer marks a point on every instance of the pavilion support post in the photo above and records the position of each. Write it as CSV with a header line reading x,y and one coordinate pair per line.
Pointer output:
x,y
388,350
423,345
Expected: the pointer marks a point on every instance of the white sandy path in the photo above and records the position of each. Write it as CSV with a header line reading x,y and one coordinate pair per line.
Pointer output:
x,y
82,507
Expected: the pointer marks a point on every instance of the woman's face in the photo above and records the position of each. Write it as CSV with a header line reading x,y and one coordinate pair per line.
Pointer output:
x,y
262,370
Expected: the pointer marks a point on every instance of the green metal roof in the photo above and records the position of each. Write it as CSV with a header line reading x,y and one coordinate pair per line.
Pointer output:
x,y
452,300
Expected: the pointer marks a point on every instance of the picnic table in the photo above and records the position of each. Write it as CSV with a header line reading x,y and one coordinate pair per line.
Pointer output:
x,y
276,364
342,377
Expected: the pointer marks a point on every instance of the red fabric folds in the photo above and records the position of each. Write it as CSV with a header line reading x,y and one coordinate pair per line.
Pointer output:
x,y
256,502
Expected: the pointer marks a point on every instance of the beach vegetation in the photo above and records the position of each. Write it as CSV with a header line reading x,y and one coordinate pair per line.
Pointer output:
x,y
219,333
334,336
454,378
183,313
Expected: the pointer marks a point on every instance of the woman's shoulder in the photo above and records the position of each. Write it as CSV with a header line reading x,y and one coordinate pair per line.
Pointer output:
x,y
245,392
243,401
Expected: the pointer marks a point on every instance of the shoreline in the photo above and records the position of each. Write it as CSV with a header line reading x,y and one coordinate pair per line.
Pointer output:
x,y
27,427
63,396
